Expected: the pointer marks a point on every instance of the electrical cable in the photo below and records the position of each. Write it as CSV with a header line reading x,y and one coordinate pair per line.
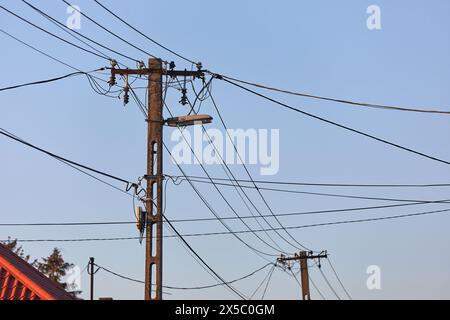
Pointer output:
x,y
203,261
144,35
251,178
71,31
267,283
258,252
315,193
52,34
230,174
234,233
361,104
339,279
329,284
48,55
48,80
339,125
8,135
109,31
37,224
332,184
262,282
316,287
77,166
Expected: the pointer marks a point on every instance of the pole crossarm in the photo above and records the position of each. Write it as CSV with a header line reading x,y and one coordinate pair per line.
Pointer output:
x,y
283,259
303,258
149,71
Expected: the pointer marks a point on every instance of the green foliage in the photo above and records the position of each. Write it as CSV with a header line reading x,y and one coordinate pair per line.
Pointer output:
x,y
55,268
17,249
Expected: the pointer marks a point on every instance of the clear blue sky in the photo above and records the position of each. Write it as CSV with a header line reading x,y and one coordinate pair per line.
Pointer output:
x,y
320,47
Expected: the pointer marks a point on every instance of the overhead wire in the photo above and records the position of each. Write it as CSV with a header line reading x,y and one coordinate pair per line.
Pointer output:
x,y
313,193
251,178
109,31
143,34
48,80
384,141
53,35
187,288
339,279
203,199
47,55
262,282
349,102
329,284
72,32
230,175
267,284
417,185
221,280
53,155
205,219
75,165
234,233
218,217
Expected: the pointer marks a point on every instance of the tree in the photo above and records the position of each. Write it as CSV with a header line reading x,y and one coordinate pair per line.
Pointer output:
x,y
17,249
55,268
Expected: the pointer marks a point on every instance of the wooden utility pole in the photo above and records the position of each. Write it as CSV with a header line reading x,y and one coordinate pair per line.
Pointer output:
x,y
306,295
302,258
154,176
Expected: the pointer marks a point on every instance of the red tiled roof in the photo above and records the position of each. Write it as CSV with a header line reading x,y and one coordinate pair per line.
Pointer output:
x,y
21,281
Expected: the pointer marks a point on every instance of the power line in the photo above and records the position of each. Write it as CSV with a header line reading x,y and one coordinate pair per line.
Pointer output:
x,y
37,224
195,257
188,288
109,31
122,276
430,185
53,155
53,35
48,80
329,284
251,178
221,284
144,35
267,284
335,123
315,287
211,209
230,174
234,233
71,31
79,167
313,193
221,195
181,237
262,282
47,55
361,104
339,279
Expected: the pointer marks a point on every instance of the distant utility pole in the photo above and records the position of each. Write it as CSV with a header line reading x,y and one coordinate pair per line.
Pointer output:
x,y
303,258
91,272
154,176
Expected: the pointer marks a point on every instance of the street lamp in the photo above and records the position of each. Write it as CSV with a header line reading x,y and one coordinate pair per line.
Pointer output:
x,y
185,121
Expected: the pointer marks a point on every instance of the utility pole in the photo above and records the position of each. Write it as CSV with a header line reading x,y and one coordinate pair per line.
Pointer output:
x,y
302,258
91,272
154,176
153,240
